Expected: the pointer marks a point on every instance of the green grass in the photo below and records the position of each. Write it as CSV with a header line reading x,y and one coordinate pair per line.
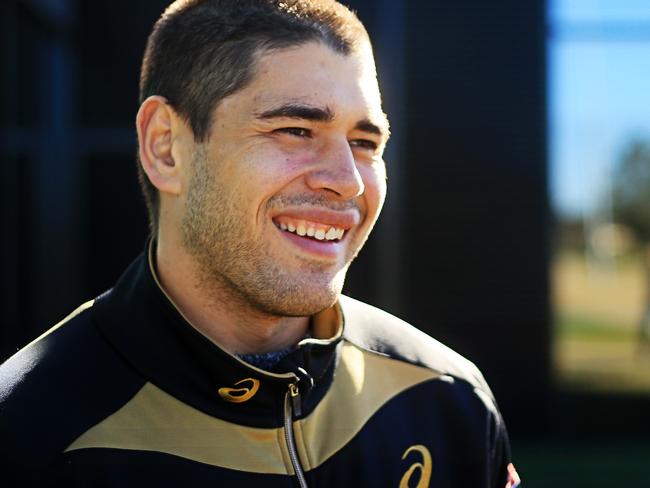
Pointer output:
x,y
595,356
592,330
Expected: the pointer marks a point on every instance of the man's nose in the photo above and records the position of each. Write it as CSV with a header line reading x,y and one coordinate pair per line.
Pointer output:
x,y
337,171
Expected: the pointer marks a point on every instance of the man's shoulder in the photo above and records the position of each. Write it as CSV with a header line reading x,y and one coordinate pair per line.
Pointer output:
x,y
378,331
44,357
58,385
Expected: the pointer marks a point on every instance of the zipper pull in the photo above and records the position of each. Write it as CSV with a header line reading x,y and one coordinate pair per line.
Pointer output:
x,y
295,400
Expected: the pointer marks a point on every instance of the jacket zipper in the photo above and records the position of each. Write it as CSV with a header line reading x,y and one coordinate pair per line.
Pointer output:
x,y
292,407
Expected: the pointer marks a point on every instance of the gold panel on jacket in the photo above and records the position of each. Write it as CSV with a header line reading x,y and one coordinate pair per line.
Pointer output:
x,y
153,420
156,421
364,382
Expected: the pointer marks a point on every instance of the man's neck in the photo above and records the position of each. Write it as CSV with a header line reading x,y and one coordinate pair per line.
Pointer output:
x,y
218,312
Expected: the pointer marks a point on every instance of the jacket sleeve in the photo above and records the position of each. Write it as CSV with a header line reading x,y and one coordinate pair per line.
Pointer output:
x,y
504,474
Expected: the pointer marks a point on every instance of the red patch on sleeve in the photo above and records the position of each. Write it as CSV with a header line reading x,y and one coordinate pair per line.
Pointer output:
x,y
513,477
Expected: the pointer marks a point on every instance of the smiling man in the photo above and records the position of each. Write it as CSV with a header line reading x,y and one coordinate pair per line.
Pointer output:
x,y
226,354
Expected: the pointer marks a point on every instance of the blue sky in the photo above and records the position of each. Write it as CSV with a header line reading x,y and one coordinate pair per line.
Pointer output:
x,y
599,94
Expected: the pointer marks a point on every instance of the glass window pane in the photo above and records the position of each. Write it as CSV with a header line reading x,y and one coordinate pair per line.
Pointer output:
x,y
599,127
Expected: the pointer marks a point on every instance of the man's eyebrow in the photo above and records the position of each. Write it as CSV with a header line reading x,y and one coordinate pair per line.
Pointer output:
x,y
298,111
367,126
318,114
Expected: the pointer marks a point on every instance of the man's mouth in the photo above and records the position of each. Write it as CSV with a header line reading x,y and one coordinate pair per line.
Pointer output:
x,y
311,230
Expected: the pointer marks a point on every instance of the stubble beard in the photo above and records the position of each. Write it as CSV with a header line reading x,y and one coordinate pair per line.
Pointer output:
x,y
235,268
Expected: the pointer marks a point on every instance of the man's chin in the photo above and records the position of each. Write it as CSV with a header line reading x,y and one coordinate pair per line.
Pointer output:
x,y
305,308
302,303
292,294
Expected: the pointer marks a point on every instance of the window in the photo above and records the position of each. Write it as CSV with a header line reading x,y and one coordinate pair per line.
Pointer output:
x,y
599,133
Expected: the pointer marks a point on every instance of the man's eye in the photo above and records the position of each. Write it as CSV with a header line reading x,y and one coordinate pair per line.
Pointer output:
x,y
296,131
364,144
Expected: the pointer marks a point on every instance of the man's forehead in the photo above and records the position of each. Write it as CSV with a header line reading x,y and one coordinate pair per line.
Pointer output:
x,y
313,62
313,81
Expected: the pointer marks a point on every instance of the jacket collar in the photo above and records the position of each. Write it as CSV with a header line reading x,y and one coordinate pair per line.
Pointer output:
x,y
151,333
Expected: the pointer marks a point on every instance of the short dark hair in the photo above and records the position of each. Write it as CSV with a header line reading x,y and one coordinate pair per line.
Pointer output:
x,y
201,51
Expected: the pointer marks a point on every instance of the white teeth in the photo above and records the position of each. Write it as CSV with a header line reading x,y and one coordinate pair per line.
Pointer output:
x,y
333,233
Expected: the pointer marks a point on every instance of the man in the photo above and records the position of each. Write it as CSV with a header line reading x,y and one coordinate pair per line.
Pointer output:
x,y
225,355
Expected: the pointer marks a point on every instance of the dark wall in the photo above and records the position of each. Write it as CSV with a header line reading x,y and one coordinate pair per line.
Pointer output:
x,y
71,201
473,197
461,248
479,263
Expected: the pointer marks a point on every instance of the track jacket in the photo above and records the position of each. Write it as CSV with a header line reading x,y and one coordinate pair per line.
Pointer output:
x,y
126,393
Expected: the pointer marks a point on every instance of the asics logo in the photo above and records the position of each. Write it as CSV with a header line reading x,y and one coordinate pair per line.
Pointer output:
x,y
243,393
424,467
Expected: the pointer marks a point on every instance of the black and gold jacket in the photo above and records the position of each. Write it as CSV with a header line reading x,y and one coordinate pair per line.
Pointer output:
x,y
126,393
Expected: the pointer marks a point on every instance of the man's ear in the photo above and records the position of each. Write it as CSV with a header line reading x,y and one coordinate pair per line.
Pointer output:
x,y
155,123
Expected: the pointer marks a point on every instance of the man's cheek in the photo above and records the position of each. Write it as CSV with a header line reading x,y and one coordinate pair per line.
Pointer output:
x,y
375,183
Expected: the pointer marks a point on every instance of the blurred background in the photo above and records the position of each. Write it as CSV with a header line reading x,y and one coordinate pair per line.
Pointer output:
x,y
517,227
